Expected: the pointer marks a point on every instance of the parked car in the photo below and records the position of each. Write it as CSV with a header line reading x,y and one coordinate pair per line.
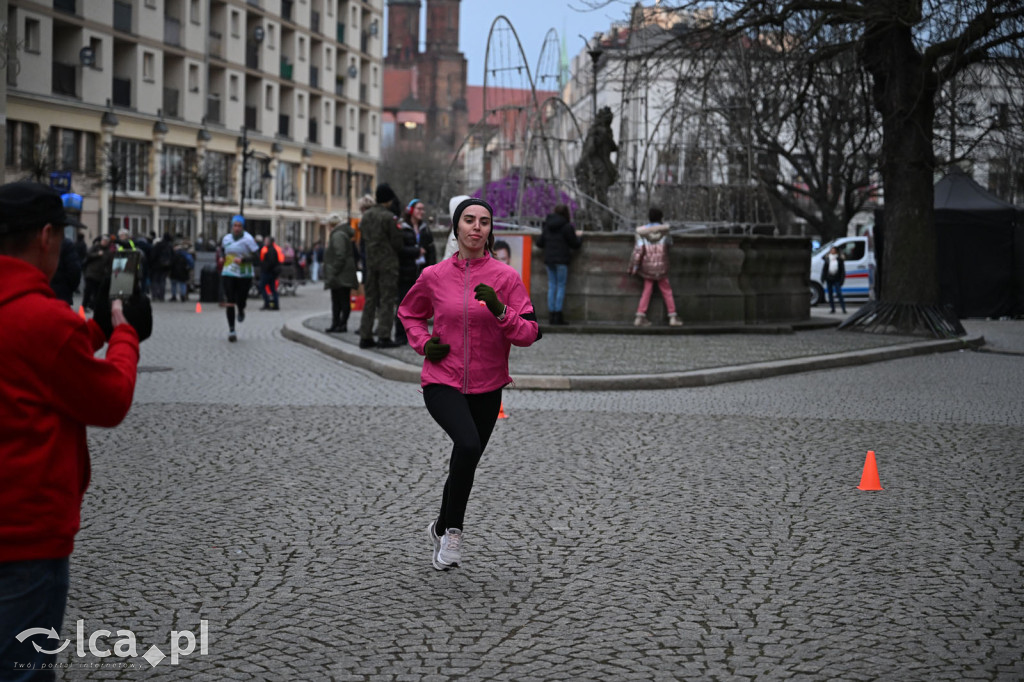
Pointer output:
x,y
860,269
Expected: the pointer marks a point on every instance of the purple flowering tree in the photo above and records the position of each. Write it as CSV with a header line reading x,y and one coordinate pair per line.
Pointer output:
x,y
539,197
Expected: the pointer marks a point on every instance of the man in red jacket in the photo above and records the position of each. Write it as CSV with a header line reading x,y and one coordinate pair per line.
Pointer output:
x,y
51,387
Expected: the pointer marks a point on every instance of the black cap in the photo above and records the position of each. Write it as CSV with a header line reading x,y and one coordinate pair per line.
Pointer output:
x,y
26,206
384,193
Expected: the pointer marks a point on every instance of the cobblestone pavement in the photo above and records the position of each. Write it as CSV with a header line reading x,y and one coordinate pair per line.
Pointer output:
x,y
699,534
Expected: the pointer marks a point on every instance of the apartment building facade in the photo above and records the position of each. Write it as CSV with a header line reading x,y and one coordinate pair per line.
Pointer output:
x,y
174,115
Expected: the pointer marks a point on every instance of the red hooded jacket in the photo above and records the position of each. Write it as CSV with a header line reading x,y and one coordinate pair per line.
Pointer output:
x,y
51,387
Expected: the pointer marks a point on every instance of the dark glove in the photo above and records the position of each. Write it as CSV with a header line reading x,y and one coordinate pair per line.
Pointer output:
x,y
435,350
487,295
137,310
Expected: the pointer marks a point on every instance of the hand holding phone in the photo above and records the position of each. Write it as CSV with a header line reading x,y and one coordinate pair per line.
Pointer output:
x,y
124,274
117,312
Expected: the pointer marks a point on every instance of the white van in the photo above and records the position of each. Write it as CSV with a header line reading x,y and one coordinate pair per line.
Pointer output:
x,y
860,269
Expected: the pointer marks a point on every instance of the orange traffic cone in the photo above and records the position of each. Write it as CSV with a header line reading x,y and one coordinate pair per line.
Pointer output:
x,y
869,479
501,412
81,312
199,307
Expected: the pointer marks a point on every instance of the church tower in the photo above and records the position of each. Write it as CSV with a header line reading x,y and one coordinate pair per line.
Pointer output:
x,y
443,26
403,32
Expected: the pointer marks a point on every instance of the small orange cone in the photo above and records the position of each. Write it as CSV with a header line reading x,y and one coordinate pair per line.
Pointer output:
x,y
81,312
501,412
199,307
869,479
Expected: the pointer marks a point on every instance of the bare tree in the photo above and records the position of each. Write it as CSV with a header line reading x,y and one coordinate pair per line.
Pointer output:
x,y
911,49
416,172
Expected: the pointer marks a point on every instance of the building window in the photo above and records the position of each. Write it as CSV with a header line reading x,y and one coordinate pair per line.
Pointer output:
x,y
194,12
301,99
270,97
302,48
215,176
373,124
286,183
373,76
72,150
193,78
271,39
31,35
234,24
255,169
151,4
177,167
148,61
315,180
128,165
20,150
233,87
96,45
337,183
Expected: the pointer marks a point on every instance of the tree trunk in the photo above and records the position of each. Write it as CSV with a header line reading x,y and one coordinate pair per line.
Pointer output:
x,y
904,94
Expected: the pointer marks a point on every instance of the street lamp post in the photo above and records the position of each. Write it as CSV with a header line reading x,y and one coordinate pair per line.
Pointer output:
x,y
595,57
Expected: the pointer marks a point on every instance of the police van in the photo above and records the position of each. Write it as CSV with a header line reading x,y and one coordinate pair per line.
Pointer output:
x,y
859,257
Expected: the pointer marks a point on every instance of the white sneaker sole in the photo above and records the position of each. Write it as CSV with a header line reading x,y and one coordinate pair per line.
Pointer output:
x,y
435,560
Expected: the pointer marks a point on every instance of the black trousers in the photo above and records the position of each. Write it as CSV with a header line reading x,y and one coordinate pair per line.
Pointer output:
x,y
468,420
341,306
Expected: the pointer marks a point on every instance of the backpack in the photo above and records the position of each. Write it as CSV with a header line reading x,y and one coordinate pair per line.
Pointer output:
x,y
165,258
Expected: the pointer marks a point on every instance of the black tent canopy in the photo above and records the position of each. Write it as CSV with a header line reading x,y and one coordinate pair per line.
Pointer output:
x,y
980,242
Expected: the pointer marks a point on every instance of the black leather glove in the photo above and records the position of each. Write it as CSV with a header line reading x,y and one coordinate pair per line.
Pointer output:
x,y
435,350
137,310
490,297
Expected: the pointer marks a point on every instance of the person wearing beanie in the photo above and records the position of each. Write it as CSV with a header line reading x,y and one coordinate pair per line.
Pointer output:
x,y
381,241
340,271
480,309
52,387
240,251
452,245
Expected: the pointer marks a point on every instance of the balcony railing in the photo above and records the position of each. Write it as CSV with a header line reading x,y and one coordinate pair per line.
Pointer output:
x,y
171,102
65,6
216,44
314,21
172,31
213,109
122,16
339,137
314,130
286,10
362,142
286,69
250,118
339,87
362,92
341,32
364,41
314,76
283,124
252,56
64,79
122,92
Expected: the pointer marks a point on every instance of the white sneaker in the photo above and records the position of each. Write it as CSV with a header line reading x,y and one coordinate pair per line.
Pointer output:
x,y
641,321
450,553
232,337
674,321
436,542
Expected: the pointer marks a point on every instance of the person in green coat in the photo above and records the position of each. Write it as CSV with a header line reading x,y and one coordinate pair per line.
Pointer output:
x,y
340,271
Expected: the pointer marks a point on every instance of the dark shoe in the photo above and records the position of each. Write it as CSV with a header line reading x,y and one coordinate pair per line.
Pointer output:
x,y
174,299
388,343
241,315
367,343
335,329
559,320
551,318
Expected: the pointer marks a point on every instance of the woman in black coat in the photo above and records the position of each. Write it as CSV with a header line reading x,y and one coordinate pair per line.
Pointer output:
x,y
558,239
417,253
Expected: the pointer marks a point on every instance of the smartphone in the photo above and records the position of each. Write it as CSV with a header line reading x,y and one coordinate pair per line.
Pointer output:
x,y
124,273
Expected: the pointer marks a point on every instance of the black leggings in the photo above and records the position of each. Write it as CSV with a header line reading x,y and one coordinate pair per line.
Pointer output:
x,y
468,420
236,293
